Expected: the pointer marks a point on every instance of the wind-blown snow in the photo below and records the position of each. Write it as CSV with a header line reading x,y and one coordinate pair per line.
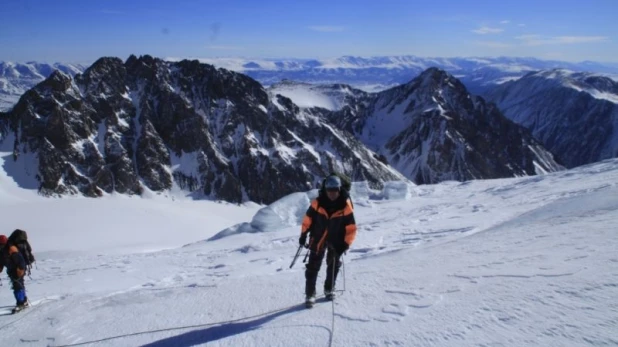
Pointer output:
x,y
525,261
597,94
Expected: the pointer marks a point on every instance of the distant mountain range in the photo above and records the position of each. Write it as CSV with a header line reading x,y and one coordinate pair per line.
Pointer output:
x,y
148,124
379,73
365,73
151,124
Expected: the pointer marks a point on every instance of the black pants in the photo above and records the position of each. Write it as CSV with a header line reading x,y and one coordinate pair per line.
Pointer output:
x,y
333,263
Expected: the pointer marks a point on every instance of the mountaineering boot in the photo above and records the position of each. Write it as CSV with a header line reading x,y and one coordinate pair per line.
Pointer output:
x,y
309,301
329,294
19,308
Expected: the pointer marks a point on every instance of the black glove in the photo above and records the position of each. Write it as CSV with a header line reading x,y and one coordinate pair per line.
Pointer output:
x,y
342,248
303,239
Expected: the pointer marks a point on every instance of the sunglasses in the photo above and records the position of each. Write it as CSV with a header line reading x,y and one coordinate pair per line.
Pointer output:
x,y
332,190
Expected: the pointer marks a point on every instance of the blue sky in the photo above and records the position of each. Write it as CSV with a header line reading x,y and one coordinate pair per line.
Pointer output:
x,y
82,31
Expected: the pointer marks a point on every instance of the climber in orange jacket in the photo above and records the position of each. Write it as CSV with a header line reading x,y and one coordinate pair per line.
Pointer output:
x,y
329,223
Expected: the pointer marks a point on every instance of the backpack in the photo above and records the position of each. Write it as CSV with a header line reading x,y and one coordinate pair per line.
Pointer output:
x,y
19,239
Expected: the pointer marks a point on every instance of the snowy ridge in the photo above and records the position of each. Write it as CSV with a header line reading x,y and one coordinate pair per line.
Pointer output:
x,y
290,210
332,97
574,114
17,78
598,86
475,263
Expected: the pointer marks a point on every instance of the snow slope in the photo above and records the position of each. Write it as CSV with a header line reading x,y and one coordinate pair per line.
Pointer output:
x,y
512,262
306,95
332,97
17,78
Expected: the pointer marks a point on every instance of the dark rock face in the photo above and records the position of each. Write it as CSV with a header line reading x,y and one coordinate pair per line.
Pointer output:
x,y
574,115
148,124
432,130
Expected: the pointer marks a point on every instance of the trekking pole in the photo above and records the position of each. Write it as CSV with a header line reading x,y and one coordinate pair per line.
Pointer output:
x,y
300,248
332,328
343,270
306,256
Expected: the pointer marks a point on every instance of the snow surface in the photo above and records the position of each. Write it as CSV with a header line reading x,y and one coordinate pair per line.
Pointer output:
x,y
306,96
8,101
525,261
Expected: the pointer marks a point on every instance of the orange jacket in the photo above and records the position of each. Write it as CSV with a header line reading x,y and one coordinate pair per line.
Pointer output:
x,y
336,229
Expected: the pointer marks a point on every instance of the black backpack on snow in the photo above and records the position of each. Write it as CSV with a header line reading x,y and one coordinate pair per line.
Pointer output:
x,y
19,239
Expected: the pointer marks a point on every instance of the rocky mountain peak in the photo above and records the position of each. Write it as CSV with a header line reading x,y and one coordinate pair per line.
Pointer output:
x,y
150,124
58,81
431,129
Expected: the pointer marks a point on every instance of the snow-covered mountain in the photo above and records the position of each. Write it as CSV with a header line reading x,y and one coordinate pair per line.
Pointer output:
x,y
379,73
432,129
151,124
518,262
366,73
332,97
17,78
147,124
574,114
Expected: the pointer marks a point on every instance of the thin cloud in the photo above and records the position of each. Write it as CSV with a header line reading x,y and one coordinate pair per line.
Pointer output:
x,y
581,39
487,30
326,28
538,40
505,22
521,25
224,47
